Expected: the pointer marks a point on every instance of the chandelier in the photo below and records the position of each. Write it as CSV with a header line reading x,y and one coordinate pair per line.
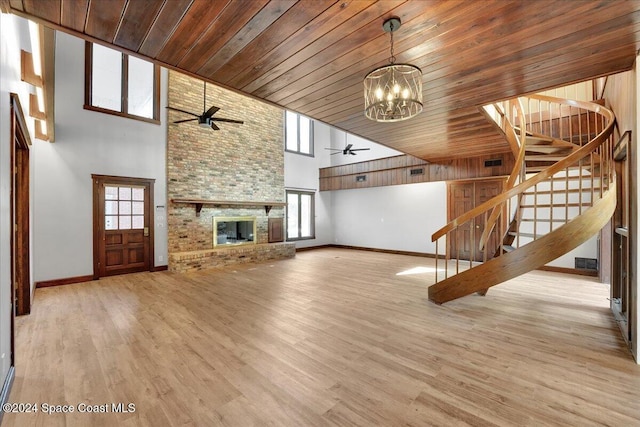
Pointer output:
x,y
393,92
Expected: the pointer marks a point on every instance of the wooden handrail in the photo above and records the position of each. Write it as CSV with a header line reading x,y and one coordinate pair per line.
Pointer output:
x,y
543,175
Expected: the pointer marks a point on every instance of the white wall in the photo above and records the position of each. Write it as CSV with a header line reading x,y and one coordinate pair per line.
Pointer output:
x,y
14,36
400,217
88,142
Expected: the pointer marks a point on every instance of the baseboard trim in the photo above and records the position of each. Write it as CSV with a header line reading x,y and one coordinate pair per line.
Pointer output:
x,y
311,248
565,270
385,251
160,268
64,281
6,388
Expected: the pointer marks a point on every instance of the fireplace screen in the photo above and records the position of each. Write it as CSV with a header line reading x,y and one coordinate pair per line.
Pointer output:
x,y
239,230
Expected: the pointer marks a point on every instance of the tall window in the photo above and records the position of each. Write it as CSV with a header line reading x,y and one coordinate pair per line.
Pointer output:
x,y
300,215
298,134
120,84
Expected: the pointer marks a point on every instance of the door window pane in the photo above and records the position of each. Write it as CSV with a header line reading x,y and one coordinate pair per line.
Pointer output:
x,y
138,208
110,207
137,193
110,222
125,208
125,222
110,193
125,193
138,222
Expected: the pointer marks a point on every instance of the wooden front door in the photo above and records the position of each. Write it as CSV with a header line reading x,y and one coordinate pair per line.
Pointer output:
x,y
464,196
122,225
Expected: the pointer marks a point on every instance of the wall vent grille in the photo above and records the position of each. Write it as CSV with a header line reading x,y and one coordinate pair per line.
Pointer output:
x,y
493,162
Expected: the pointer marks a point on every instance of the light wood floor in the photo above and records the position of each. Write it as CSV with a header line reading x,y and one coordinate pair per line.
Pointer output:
x,y
332,337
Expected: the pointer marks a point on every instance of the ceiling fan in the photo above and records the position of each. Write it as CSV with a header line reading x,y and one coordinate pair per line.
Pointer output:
x,y
205,119
347,150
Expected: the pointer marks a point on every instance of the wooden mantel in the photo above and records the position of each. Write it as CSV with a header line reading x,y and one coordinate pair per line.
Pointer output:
x,y
199,203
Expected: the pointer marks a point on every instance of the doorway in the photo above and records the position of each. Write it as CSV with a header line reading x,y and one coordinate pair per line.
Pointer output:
x,y
620,243
20,207
122,225
462,197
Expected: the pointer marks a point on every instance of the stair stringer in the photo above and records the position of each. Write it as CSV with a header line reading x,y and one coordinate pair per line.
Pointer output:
x,y
530,256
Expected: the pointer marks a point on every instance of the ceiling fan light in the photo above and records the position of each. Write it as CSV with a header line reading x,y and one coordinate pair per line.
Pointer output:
x,y
204,122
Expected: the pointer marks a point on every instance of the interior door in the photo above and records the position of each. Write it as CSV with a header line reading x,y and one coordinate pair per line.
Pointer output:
x,y
123,225
464,196
461,200
485,190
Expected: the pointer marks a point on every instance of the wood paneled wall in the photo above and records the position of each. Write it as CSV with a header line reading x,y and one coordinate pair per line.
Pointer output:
x,y
398,170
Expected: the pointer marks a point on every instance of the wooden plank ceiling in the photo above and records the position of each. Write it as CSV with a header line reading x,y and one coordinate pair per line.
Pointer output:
x,y
311,56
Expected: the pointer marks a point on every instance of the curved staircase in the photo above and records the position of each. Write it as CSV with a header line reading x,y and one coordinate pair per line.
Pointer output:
x,y
559,195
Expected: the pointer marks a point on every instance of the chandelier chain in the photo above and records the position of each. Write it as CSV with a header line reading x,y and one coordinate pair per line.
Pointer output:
x,y
392,59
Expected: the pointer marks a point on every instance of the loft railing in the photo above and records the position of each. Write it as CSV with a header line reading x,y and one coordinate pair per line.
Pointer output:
x,y
563,186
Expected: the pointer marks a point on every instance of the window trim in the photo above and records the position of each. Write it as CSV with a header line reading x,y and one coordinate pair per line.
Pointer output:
x,y
311,142
312,214
88,84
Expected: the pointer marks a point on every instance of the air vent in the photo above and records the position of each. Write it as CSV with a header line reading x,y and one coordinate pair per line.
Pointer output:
x,y
492,163
419,171
587,264
361,178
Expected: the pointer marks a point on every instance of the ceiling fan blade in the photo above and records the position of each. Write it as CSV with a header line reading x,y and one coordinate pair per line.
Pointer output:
x,y
352,153
222,119
185,120
360,149
348,147
182,111
337,152
214,127
211,111
334,149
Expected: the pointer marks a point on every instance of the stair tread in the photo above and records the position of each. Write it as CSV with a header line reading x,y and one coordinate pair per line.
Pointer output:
x,y
536,236
557,205
543,220
551,149
543,157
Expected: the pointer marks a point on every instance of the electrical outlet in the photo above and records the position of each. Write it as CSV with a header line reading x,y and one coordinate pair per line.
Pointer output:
x,y
160,258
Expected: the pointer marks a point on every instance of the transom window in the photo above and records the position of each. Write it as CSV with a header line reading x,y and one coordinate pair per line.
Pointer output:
x,y
123,207
298,134
300,215
121,84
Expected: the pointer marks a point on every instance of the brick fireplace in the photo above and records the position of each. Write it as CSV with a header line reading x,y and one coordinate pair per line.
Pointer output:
x,y
239,163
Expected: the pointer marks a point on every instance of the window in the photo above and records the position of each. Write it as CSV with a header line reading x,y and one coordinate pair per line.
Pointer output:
x,y
300,215
298,134
123,207
120,84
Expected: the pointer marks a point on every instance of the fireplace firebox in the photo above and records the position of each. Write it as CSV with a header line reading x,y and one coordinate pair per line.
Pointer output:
x,y
235,230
